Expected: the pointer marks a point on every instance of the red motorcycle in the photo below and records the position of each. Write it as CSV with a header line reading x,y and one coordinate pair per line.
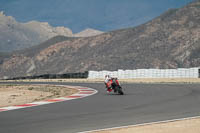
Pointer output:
x,y
113,84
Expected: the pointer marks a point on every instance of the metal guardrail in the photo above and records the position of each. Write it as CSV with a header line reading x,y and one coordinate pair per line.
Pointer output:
x,y
199,73
55,76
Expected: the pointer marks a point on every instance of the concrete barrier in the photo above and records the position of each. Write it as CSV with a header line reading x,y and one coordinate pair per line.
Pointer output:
x,y
147,73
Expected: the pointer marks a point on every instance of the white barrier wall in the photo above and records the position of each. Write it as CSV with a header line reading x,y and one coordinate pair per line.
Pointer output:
x,y
147,73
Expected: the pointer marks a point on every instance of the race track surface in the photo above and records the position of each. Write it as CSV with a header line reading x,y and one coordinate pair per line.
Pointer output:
x,y
141,103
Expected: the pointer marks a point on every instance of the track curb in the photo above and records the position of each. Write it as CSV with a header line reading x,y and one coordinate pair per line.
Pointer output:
x,y
82,92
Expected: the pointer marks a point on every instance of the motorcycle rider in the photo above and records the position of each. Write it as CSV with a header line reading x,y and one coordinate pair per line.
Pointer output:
x,y
112,84
107,83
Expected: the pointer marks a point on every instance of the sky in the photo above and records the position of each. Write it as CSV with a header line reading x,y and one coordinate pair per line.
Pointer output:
x,y
104,15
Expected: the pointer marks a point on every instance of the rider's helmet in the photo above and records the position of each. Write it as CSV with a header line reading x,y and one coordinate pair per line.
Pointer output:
x,y
107,76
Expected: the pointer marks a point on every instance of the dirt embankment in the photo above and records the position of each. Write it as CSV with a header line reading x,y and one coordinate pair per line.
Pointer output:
x,y
21,94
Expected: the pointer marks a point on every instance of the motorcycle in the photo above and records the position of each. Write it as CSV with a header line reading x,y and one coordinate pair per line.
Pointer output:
x,y
113,84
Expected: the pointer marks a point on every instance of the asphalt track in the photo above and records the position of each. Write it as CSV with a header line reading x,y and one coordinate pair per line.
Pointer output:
x,y
141,103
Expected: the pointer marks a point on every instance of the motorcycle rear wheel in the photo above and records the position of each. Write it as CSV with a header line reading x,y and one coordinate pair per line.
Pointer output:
x,y
119,89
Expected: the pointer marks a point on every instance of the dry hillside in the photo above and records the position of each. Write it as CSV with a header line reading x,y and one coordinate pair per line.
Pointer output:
x,y
169,41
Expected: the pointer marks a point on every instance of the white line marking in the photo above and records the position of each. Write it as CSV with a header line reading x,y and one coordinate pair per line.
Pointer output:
x,y
62,98
11,108
40,103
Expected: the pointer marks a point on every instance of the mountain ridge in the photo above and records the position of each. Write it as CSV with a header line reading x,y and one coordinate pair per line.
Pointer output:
x,y
171,40
18,36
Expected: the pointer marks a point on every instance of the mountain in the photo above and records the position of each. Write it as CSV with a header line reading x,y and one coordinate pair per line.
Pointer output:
x,y
171,40
16,36
78,15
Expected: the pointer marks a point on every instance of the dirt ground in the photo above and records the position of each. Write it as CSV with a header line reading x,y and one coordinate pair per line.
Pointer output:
x,y
183,126
21,94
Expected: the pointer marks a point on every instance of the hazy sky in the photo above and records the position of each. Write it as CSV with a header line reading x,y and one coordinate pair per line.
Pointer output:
x,y
103,15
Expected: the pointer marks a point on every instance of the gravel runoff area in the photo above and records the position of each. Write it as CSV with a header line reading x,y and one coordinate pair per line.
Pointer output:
x,y
179,126
22,94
